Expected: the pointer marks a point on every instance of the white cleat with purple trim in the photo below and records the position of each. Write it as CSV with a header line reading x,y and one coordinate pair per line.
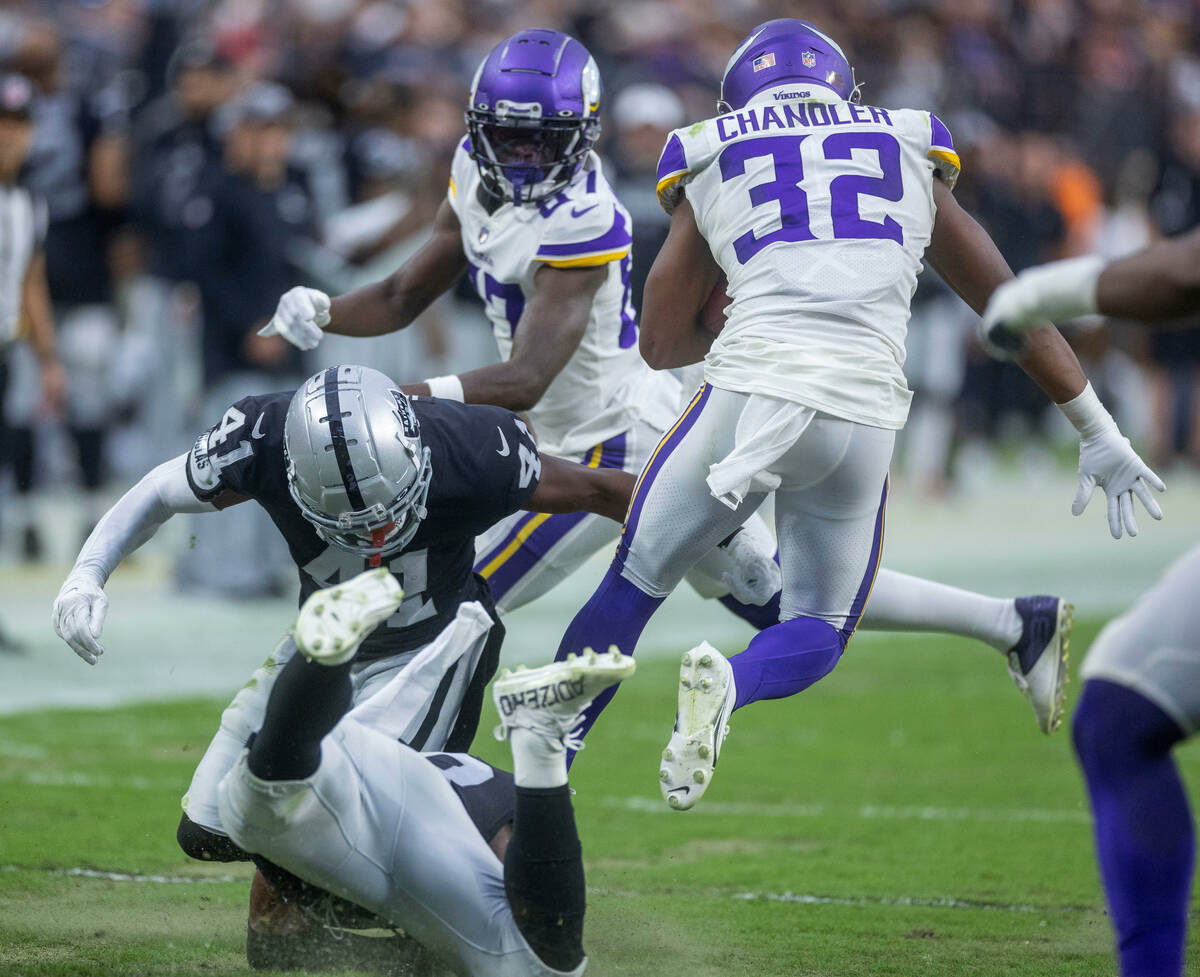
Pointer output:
x,y
706,698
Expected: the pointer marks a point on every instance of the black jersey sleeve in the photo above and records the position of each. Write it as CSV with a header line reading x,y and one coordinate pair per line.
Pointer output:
x,y
485,461
242,453
488,793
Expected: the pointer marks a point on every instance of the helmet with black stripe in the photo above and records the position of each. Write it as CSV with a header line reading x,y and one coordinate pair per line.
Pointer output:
x,y
356,466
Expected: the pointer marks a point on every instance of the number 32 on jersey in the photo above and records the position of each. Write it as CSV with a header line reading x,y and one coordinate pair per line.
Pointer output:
x,y
779,181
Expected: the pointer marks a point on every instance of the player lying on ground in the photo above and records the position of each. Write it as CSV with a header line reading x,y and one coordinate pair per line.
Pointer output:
x,y
1141,693
354,475
531,219
804,388
332,795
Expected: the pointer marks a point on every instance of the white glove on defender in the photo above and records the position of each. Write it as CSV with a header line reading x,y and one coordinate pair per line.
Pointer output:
x,y
755,576
78,617
1108,460
300,317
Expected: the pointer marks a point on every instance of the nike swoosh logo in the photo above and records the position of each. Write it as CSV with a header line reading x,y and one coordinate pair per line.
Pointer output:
x,y
576,212
258,431
503,449
685,789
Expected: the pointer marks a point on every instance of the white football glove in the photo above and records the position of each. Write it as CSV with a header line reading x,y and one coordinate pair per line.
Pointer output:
x,y
1108,460
755,576
78,617
300,317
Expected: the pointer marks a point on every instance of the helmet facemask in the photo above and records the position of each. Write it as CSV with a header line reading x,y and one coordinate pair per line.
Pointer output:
x,y
532,114
359,532
527,159
356,467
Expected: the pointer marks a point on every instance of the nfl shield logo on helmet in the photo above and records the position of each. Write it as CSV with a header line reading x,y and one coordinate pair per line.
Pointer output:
x,y
764,61
809,59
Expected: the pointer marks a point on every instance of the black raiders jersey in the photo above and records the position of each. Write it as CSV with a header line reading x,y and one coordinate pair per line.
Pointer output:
x,y
485,466
488,793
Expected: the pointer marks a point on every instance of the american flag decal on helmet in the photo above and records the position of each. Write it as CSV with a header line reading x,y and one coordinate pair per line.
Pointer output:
x,y
809,59
764,61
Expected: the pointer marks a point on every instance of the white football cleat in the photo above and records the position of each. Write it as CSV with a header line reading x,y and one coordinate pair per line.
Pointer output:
x,y
333,622
549,700
706,697
1038,662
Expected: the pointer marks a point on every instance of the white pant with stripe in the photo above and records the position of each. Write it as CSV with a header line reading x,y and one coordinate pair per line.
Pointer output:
x,y
379,825
829,476
244,715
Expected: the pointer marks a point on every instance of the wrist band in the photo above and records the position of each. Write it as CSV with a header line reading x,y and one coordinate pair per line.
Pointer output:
x,y
1087,413
448,388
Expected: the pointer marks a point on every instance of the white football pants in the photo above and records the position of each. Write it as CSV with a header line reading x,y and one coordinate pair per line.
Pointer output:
x,y
379,825
829,476
245,714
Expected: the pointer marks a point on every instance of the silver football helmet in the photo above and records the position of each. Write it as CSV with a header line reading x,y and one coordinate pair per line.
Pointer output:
x,y
355,463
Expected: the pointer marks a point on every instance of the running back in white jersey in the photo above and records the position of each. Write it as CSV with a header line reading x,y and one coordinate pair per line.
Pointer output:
x,y
606,387
818,211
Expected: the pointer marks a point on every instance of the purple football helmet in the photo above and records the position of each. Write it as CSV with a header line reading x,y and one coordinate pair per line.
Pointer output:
x,y
780,51
532,115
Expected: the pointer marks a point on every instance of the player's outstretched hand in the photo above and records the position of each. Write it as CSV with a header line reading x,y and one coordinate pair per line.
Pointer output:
x,y
78,617
1109,461
300,317
755,576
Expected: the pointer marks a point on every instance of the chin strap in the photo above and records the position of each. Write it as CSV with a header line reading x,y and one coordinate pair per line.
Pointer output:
x,y
378,538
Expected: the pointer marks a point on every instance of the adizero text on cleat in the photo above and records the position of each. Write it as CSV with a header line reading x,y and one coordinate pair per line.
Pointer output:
x,y
551,699
706,698
1038,662
335,621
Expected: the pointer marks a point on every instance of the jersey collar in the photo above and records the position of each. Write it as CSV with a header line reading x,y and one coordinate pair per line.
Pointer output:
x,y
816,93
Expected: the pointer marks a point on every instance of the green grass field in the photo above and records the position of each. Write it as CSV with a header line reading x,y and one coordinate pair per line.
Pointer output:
x,y
904,817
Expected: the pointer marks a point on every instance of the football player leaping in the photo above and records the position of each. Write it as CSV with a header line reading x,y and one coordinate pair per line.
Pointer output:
x,y
1141,693
531,219
354,475
817,210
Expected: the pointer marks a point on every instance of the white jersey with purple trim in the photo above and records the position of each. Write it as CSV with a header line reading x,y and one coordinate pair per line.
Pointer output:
x,y
606,387
818,211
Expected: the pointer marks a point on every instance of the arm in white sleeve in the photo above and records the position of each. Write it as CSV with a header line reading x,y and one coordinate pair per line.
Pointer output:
x,y
136,517
81,605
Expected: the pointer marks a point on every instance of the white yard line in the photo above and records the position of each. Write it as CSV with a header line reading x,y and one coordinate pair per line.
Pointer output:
x,y
798,898
92,873
865,812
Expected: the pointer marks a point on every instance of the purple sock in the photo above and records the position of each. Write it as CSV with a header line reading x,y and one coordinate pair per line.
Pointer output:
x,y
616,614
760,617
785,659
1144,837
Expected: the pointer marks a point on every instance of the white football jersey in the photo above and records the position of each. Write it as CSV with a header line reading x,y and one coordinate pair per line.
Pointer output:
x,y
818,211
606,387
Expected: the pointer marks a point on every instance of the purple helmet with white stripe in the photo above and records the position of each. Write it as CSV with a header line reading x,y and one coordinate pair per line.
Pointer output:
x,y
781,51
532,114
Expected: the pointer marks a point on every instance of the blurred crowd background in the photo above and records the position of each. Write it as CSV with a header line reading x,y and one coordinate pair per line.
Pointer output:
x,y
200,158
